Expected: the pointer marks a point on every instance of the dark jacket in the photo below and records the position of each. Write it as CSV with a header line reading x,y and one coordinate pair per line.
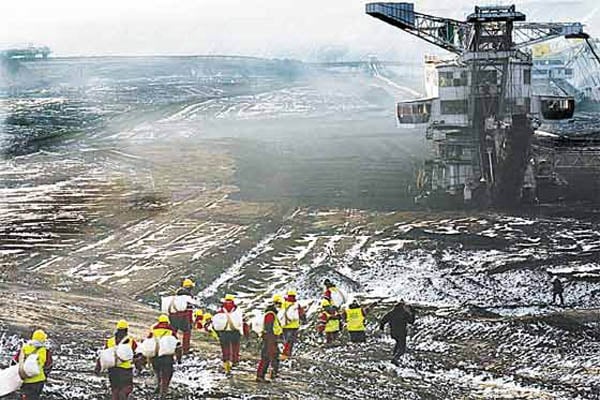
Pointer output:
x,y
398,318
557,286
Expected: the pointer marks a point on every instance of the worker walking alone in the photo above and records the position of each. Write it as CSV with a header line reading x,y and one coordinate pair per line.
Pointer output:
x,y
229,325
330,322
292,316
398,318
354,316
163,363
183,320
34,385
121,375
557,290
271,334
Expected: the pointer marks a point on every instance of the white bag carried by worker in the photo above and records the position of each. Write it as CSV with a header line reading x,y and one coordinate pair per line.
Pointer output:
x,y
10,381
167,345
292,313
148,348
236,321
219,322
173,304
31,367
124,351
258,324
338,298
108,358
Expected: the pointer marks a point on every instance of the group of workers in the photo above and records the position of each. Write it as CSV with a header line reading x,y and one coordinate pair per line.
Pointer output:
x,y
279,323
120,375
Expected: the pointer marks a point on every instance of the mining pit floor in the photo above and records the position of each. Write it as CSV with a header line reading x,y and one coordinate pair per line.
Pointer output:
x,y
252,177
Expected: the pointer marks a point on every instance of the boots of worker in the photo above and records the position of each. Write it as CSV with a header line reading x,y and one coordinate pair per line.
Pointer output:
x,y
227,367
261,371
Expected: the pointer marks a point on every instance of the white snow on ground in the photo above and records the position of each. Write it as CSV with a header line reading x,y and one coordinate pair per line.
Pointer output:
x,y
196,375
233,272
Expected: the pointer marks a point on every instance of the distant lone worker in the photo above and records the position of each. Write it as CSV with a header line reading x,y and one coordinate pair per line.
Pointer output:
x,y
468,193
557,290
400,316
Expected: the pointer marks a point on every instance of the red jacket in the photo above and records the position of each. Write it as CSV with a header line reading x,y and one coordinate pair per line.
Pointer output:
x,y
162,325
198,322
269,321
228,306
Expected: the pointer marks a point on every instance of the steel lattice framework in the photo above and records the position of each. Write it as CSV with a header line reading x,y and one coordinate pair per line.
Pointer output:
x,y
457,36
490,45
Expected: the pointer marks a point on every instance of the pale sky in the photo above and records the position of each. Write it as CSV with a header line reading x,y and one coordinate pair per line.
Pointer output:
x,y
266,28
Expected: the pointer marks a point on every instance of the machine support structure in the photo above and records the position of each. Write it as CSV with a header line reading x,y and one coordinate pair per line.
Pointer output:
x,y
479,104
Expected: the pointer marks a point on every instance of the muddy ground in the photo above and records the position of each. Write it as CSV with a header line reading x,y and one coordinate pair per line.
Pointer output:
x,y
121,176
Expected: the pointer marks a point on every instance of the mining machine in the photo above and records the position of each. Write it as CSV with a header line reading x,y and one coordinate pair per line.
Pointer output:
x,y
479,109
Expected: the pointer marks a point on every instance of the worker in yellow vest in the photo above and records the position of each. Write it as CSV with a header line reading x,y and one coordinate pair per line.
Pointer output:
x,y
184,320
163,365
330,321
32,386
293,315
207,326
354,316
231,334
121,375
272,331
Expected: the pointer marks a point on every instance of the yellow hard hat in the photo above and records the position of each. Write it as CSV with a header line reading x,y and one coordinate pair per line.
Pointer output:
x,y
39,335
277,298
325,303
207,316
229,297
188,283
122,324
292,292
163,318
198,313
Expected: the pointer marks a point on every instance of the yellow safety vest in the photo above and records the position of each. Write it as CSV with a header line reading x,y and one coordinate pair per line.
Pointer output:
x,y
160,332
29,349
111,342
332,325
210,330
355,320
277,330
291,324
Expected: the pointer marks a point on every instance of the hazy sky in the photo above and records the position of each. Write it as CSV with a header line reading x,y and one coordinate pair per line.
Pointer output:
x,y
271,28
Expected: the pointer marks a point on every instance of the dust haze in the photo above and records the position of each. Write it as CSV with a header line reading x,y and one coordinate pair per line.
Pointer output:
x,y
253,147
